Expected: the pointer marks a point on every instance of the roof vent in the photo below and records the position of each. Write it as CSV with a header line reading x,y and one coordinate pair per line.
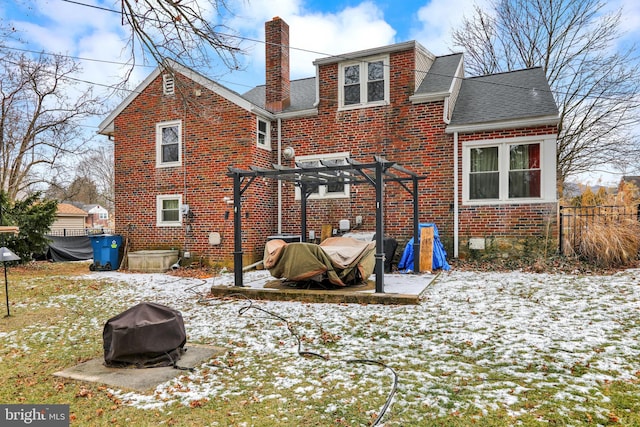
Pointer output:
x,y
168,84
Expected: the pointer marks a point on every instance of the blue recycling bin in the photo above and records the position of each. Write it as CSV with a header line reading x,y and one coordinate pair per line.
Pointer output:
x,y
106,252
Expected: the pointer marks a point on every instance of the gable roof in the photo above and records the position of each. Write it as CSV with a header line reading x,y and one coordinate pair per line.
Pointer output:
x,y
494,100
65,209
511,99
106,126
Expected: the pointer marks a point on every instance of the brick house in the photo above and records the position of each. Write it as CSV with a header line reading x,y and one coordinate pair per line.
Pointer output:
x,y
487,146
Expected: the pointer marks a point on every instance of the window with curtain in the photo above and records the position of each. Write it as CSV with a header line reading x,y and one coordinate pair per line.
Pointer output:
x,y
484,176
524,170
505,171
168,210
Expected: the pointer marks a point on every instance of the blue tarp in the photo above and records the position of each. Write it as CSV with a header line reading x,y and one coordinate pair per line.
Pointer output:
x,y
439,254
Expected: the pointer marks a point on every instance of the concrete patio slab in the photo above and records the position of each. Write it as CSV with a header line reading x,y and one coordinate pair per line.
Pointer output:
x,y
138,379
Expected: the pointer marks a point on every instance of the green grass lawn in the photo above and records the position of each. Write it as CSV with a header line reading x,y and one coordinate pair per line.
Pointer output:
x,y
482,349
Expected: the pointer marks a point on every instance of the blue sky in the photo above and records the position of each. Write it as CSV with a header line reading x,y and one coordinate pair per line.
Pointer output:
x,y
324,27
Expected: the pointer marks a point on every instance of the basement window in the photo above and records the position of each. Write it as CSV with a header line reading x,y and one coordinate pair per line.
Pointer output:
x,y
168,210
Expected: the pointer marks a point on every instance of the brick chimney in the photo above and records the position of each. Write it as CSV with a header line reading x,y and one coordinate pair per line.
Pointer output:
x,y
278,85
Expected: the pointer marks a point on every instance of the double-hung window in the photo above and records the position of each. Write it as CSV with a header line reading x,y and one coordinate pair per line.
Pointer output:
x,y
337,186
168,143
514,170
364,83
168,210
264,134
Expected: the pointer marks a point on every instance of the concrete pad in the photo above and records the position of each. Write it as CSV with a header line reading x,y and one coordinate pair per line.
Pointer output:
x,y
139,379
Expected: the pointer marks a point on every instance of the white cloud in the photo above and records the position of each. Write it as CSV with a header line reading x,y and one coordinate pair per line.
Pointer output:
x,y
437,19
312,35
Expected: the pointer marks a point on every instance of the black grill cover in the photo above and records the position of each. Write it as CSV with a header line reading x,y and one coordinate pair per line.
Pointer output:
x,y
146,335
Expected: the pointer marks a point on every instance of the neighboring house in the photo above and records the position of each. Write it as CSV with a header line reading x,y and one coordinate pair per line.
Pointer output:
x,y
487,146
70,221
98,217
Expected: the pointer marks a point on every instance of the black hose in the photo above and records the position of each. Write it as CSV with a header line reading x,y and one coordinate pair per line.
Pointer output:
x,y
303,353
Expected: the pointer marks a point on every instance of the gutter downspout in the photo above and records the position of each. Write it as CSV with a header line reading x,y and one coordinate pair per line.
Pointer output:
x,y
456,216
279,182
456,188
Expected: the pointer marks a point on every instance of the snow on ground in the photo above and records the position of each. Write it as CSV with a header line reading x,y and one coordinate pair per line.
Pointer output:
x,y
494,335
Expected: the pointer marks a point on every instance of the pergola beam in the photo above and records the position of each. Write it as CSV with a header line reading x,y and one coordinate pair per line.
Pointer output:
x,y
309,177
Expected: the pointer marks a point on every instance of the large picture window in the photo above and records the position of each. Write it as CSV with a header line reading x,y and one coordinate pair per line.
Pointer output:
x,y
333,190
168,210
509,171
364,83
168,144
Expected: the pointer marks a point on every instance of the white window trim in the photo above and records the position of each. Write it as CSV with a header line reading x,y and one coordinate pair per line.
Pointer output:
x,y
548,191
267,137
363,86
159,126
159,200
323,188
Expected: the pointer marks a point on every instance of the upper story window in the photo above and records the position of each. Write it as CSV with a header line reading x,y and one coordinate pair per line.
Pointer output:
x,y
509,171
168,146
264,134
364,83
168,84
168,210
333,190
103,215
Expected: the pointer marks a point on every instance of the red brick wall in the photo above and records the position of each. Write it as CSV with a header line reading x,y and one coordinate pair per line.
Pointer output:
x,y
411,135
216,134
506,221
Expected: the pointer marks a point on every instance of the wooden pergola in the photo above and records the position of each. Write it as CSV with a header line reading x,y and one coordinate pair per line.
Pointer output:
x,y
308,178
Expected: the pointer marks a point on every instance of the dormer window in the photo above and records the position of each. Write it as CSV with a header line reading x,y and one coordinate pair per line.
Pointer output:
x,y
168,84
364,83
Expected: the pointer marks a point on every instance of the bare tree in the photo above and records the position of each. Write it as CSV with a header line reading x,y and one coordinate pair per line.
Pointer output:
x,y
41,111
97,165
595,84
184,31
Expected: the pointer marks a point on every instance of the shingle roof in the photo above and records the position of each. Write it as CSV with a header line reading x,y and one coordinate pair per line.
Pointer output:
x,y
69,210
515,95
303,95
440,75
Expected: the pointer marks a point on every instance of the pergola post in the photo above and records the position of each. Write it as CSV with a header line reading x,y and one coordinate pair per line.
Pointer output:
x,y
303,212
311,177
379,268
416,227
237,231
